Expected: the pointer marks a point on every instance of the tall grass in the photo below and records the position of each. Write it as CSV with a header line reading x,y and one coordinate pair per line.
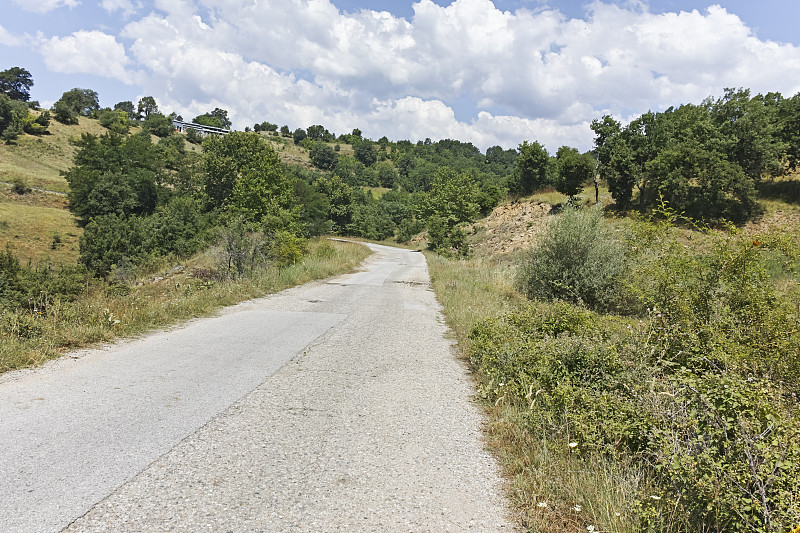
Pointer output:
x,y
547,482
105,312
472,290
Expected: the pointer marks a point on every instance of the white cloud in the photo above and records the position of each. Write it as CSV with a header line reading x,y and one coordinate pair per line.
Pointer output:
x,y
126,6
532,74
89,52
9,39
45,6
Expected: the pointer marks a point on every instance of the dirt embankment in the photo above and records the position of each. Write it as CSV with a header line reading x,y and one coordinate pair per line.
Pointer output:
x,y
511,227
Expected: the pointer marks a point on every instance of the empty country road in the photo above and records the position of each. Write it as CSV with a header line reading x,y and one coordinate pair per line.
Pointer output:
x,y
335,406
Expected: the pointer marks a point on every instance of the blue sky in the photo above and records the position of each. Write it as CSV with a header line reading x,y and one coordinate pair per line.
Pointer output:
x,y
488,72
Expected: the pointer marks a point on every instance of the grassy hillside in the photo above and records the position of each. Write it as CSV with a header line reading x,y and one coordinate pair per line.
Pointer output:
x,y
38,160
38,227
562,384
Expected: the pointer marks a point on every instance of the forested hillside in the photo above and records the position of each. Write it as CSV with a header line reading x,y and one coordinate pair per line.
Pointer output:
x,y
639,359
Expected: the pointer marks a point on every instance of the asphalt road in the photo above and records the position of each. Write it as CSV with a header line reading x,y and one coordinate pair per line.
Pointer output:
x,y
336,406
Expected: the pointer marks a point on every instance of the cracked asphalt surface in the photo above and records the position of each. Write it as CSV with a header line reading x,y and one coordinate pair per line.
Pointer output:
x,y
336,406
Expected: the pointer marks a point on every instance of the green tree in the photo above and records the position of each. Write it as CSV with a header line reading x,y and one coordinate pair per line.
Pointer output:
x,y
752,126
222,115
146,107
349,170
299,135
342,199
387,175
370,222
702,183
364,151
218,118
616,163
207,120
451,202
117,121
172,151
314,208
788,120
83,102
114,175
158,125
496,155
530,172
317,133
63,113
128,108
574,170
285,132
244,174
12,118
620,171
323,156
16,83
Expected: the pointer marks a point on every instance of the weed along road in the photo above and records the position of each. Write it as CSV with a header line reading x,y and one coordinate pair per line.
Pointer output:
x,y
335,406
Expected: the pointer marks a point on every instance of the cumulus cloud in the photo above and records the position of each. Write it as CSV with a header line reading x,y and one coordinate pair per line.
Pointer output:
x,y
91,52
9,39
45,6
531,74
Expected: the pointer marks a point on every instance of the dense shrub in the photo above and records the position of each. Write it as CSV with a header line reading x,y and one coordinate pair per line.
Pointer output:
x,y
700,391
286,248
408,229
116,121
63,113
580,260
110,239
323,156
371,222
35,289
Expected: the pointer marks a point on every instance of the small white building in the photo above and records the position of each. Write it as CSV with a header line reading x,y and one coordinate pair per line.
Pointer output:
x,y
181,127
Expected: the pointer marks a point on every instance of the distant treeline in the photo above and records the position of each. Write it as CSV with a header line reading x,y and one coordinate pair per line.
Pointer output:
x,y
138,198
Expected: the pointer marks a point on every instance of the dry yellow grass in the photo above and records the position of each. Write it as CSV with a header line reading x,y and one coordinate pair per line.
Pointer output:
x,y
38,227
39,160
